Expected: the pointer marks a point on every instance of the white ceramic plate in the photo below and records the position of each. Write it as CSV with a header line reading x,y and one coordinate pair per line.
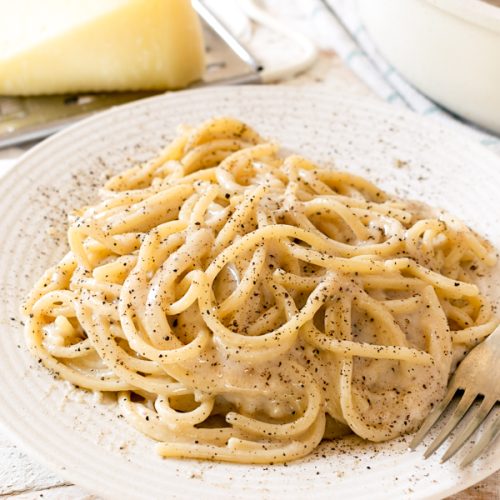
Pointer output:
x,y
88,443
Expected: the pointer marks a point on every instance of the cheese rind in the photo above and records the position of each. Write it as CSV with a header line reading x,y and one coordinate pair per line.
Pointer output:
x,y
118,45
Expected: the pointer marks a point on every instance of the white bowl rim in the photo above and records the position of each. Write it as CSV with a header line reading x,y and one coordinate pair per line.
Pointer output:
x,y
479,12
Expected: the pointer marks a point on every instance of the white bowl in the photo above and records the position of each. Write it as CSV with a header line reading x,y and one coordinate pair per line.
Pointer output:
x,y
448,49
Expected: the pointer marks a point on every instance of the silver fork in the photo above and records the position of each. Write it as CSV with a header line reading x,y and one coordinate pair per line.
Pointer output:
x,y
478,375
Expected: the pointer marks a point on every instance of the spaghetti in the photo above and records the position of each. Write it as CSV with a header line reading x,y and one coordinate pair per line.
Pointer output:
x,y
243,306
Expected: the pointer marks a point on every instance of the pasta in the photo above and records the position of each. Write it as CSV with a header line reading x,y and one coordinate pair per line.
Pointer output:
x,y
243,305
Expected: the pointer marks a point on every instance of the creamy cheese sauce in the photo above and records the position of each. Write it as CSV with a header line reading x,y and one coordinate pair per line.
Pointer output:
x,y
243,306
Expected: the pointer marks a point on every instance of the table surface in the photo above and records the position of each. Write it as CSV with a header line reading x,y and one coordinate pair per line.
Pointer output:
x,y
23,478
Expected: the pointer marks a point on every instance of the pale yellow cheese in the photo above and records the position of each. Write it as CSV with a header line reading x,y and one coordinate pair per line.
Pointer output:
x,y
64,46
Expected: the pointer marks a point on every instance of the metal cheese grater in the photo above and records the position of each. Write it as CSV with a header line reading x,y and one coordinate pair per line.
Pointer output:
x,y
24,119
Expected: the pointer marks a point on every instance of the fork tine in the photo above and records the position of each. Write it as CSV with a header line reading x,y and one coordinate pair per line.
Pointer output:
x,y
432,418
474,421
489,435
460,410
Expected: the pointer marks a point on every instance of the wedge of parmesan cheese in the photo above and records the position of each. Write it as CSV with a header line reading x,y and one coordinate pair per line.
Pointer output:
x,y
68,46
